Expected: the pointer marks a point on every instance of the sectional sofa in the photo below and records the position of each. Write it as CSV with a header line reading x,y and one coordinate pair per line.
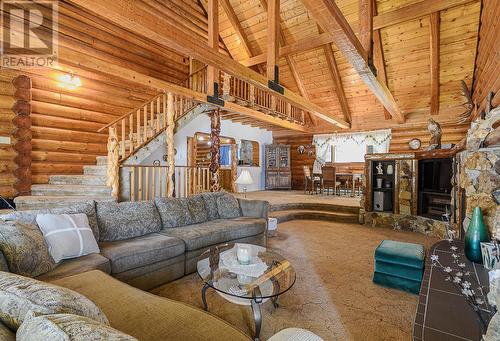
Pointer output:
x,y
146,244
149,243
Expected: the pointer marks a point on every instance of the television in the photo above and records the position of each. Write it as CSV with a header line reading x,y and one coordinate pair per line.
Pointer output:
x,y
435,175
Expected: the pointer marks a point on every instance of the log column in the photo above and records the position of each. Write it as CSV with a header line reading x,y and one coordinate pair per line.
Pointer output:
x,y
214,149
22,134
113,165
170,145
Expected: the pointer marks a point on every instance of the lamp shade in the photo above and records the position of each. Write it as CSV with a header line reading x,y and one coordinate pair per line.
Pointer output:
x,y
245,178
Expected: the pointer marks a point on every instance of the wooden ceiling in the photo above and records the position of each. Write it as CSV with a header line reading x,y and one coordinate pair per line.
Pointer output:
x,y
320,72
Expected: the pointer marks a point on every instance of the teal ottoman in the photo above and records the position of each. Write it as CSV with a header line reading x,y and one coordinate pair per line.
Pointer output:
x,y
399,265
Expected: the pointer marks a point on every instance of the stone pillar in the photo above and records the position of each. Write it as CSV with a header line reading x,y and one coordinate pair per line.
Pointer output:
x,y
214,149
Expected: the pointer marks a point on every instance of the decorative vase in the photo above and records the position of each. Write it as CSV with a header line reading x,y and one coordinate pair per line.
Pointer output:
x,y
379,183
390,169
476,233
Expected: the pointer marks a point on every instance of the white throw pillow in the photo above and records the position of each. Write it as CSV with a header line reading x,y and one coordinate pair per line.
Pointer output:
x,y
68,235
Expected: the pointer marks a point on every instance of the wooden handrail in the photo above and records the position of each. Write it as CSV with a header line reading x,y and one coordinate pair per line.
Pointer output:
x,y
192,74
131,112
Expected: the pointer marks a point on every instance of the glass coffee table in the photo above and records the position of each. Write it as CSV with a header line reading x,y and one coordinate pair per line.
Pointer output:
x,y
262,276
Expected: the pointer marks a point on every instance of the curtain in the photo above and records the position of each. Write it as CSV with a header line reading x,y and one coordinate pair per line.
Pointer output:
x,y
225,155
351,147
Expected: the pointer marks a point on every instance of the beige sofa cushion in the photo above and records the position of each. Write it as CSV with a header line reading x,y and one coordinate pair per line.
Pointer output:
x,y
6,334
75,266
19,295
146,316
64,327
216,231
141,251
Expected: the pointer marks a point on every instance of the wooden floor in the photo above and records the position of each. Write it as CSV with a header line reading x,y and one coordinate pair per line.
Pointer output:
x,y
285,197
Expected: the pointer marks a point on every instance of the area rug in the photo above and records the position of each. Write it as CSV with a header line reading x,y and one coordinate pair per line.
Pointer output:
x,y
333,296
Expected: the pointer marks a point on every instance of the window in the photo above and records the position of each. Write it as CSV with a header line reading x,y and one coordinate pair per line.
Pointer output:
x,y
225,155
248,153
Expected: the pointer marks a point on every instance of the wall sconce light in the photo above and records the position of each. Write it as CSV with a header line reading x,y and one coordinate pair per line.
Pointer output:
x,y
70,81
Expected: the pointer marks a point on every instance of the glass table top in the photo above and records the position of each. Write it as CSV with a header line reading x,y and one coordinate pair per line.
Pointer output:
x,y
266,275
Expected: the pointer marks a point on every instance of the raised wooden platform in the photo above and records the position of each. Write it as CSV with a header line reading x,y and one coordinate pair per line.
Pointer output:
x,y
295,205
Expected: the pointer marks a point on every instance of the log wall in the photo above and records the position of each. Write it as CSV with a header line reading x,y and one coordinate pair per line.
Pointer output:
x,y
399,143
65,120
487,62
7,152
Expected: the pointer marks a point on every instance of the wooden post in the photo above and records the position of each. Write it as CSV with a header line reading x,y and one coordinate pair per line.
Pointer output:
x,y
234,166
273,27
214,149
170,145
213,42
434,20
226,88
366,26
22,134
113,169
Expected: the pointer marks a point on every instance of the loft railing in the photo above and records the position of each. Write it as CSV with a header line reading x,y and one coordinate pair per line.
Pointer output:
x,y
234,88
149,182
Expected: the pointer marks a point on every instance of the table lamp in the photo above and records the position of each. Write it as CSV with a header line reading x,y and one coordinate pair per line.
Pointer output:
x,y
244,179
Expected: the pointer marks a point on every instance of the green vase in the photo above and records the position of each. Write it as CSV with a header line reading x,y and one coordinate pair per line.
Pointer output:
x,y
476,233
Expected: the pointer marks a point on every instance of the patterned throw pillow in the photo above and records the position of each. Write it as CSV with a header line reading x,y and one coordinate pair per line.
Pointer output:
x,y
64,327
210,199
68,235
19,295
228,206
174,212
25,249
197,209
124,220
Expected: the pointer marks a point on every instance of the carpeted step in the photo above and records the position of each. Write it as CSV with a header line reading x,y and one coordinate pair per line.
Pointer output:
x,y
102,160
39,202
94,170
70,190
323,207
77,180
288,215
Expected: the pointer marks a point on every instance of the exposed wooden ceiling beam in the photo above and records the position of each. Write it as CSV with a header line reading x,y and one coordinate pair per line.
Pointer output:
x,y
100,66
272,36
434,39
138,17
378,57
337,81
332,21
413,11
366,25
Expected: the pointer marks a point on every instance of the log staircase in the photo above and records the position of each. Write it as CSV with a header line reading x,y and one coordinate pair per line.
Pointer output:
x,y
130,134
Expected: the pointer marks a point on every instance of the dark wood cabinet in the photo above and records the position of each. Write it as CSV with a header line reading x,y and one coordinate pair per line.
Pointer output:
x,y
278,169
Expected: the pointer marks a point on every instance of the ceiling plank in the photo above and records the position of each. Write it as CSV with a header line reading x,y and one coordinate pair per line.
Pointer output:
x,y
331,20
366,25
240,32
378,57
394,17
213,41
434,39
140,18
233,19
273,28
337,81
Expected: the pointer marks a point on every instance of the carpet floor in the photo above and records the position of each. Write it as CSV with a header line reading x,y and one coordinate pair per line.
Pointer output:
x,y
333,296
